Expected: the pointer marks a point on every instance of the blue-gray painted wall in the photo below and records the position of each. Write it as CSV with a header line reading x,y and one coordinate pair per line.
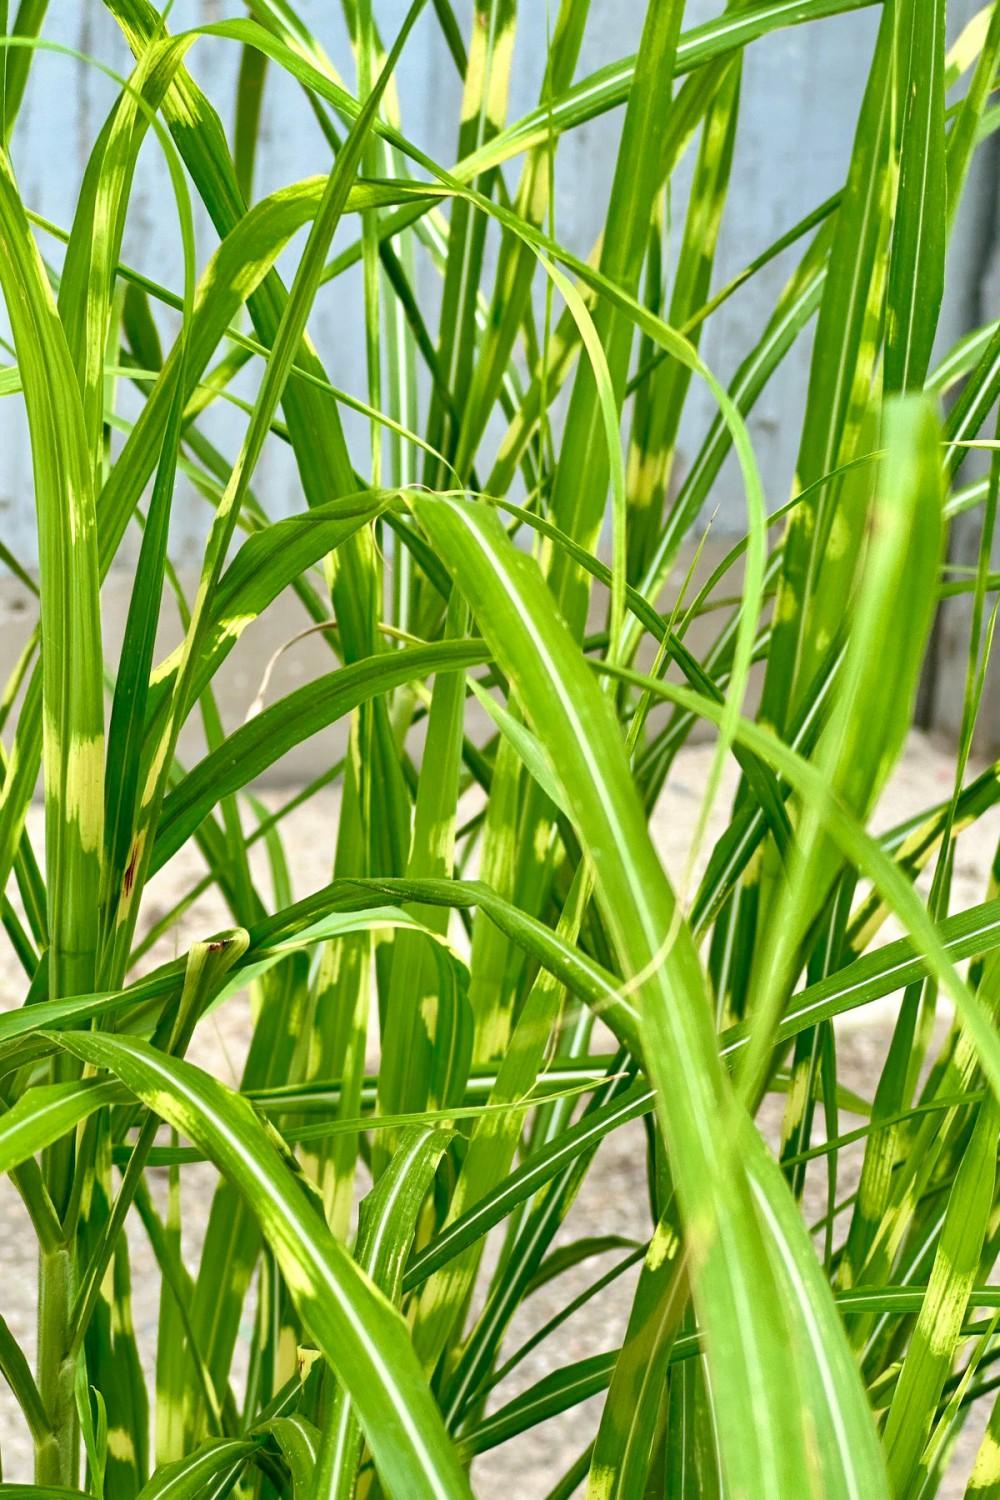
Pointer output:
x,y
801,95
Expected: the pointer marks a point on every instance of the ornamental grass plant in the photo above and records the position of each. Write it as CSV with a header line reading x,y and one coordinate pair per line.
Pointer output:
x,y
492,574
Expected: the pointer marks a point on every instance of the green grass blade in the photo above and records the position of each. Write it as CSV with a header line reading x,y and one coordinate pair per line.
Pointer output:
x,y
867,727
73,711
16,62
916,270
364,1340
388,1222
568,710
929,1358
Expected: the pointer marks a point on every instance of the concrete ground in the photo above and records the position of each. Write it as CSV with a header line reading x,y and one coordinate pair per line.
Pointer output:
x,y
613,1198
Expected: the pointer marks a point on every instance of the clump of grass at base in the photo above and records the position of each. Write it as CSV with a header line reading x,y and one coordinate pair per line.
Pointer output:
x,y
497,918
